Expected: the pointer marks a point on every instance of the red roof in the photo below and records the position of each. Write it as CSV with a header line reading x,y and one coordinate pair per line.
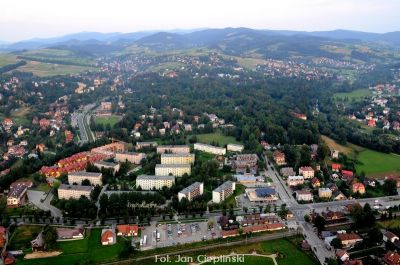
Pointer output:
x,y
336,166
347,173
106,235
128,229
392,258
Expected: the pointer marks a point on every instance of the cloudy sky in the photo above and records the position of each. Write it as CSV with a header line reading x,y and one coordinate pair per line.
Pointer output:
x,y
24,19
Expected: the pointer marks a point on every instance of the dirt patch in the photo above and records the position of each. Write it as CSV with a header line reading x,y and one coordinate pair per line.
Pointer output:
x,y
39,254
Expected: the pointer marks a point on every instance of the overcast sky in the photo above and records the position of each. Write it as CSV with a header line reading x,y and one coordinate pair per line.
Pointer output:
x,y
24,19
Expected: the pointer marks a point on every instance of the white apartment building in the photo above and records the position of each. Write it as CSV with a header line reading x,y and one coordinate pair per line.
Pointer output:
x,y
235,147
209,149
175,149
173,169
177,158
73,191
192,191
133,157
149,182
79,176
222,192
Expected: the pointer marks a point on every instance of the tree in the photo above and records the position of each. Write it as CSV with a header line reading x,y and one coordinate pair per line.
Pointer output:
x,y
86,182
336,243
374,236
307,218
319,223
390,187
49,237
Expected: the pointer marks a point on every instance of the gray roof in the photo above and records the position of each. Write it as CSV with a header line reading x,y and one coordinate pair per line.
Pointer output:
x,y
173,165
177,155
191,187
153,177
224,186
86,174
105,164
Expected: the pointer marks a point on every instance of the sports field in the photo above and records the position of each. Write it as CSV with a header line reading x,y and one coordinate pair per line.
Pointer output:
x,y
111,120
216,137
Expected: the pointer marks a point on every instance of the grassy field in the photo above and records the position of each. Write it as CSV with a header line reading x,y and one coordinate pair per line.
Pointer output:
x,y
47,69
217,137
86,251
389,224
354,95
378,164
239,189
372,163
6,59
112,120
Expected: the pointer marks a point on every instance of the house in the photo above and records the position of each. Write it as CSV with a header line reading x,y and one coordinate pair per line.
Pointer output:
x,y
108,237
358,188
8,258
279,158
337,195
389,236
127,230
349,239
305,245
392,258
334,154
342,255
38,243
304,195
295,180
324,193
287,171
371,123
315,183
347,173
64,233
17,194
336,167
306,172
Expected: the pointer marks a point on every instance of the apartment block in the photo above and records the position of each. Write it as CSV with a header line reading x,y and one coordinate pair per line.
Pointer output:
x,y
174,149
223,191
73,191
235,147
210,149
149,182
133,157
192,191
177,158
173,169
78,177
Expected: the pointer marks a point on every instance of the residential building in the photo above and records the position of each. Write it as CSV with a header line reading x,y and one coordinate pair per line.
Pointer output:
x,y
279,158
107,165
389,236
149,182
65,233
192,191
209,149
315,183
306,172
392,258
342,255
266,194
108,237
174,149
358,188
235,147
17,193
3,236
304,195
295,180
349,239
249,179
223,191
336,167
127,230
173,169
245,163
133,157
95,178
140,145
73,191
177,158
287,171
324,193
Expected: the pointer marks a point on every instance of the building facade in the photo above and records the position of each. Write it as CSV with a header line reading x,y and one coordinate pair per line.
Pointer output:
x,y
192,191
235,147
133,157
78,177
149,182
177,158
73,191
224,191
209,149
173,169
174,149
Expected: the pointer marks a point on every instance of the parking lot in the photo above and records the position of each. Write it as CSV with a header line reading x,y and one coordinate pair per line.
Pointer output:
x,y
170,234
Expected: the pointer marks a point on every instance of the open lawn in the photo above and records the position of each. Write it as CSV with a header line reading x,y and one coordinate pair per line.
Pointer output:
x,y
390,224
354,95
111,120
217,137
48,69
85,251
239,189
377,164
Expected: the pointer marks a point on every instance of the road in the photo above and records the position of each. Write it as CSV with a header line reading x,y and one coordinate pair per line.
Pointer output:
x,y
82,121
35,198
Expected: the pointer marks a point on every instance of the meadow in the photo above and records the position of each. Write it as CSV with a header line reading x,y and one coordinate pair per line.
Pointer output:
x,y
217,137
111,120
356,95
48,69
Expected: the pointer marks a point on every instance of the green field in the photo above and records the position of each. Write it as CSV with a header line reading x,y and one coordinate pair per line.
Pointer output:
x,y
6,59
111,120
377,164
86,251
239,189
216,137
48,69
354,95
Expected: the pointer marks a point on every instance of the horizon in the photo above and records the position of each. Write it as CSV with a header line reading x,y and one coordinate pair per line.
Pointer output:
x,y
43,18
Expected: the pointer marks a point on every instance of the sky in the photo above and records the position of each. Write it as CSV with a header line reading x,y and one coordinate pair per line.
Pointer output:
x,y
26,19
